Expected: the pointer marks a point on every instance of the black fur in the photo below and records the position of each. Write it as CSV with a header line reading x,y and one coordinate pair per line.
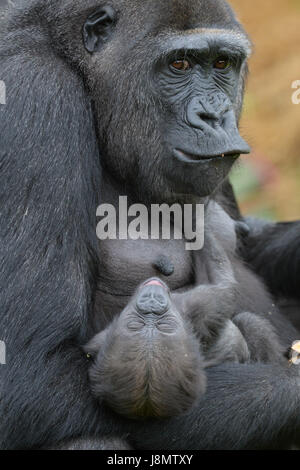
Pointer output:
x,y
273,250
51,129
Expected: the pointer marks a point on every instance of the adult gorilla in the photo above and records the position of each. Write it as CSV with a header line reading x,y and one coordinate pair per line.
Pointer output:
x,y
132,81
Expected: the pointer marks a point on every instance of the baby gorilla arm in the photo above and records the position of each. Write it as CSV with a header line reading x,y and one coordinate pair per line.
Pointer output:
x,y
213,312
208,306
247,338
230,346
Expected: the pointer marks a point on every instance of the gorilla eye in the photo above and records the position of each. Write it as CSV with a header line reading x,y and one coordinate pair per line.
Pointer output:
x,y
182,65
222,63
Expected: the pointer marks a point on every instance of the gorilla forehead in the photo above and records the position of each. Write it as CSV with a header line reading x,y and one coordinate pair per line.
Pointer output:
x,y
191,14
179,15
142,21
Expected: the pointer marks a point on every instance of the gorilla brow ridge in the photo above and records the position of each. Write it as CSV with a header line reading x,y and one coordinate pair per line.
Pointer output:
x,y
228,42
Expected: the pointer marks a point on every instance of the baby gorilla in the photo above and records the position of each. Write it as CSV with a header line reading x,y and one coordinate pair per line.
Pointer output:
x,y
148,362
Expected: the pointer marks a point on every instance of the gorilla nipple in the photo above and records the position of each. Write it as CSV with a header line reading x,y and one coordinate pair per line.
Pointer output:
x,y
164,266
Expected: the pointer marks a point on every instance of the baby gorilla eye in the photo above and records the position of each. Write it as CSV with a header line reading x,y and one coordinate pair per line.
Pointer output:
x,y
182,65
222,63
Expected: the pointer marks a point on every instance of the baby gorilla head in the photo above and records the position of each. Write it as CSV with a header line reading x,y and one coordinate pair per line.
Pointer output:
x,y
147,362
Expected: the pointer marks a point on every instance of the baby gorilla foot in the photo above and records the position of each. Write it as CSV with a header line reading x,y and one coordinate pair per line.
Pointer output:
x,y
147,362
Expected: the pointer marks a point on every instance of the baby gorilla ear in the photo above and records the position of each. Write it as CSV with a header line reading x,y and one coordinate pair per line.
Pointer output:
x,y
98,27
95,344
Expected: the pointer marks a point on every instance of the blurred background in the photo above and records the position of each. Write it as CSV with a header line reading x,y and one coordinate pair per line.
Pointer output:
x,y
268,181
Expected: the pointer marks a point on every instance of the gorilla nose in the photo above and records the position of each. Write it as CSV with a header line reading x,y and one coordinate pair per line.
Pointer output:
x,y
201,114
153,298
215,117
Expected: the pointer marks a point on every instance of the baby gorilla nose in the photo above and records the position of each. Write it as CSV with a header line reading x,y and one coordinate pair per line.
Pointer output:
x,y
153,298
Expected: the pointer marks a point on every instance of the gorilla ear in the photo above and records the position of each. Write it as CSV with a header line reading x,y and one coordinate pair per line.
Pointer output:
x,y
98,27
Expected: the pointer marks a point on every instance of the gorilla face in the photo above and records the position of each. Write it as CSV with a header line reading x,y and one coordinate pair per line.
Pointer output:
x,y
150,313
166,98
198,82
147,363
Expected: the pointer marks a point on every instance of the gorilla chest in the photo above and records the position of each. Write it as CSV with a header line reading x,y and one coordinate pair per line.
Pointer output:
x,y
127,263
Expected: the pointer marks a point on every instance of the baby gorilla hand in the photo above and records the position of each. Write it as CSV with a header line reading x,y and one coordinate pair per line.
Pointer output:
x,y
147,362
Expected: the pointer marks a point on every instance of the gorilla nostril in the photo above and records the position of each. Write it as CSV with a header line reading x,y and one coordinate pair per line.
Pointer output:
x,y
152,306
212,120
207,117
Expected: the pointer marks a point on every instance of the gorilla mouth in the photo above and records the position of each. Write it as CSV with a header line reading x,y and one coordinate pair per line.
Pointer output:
x,y
155,282
189,157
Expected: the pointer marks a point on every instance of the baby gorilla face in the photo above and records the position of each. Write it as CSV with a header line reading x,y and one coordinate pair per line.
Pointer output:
x,y
153,297
147,362
151,313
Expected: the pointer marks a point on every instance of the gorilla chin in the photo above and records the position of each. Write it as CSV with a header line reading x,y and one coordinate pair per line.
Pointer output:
x,y
198,175
199,169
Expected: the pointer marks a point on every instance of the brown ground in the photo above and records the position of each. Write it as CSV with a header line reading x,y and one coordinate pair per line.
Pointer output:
x,y
271,123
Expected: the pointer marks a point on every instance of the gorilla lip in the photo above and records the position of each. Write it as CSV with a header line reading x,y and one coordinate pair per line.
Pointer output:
x,y
193,158
155,282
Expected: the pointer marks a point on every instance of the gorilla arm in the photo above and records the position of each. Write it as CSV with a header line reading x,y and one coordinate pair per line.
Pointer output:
x,y
210,306
49,172
273,250
246,406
